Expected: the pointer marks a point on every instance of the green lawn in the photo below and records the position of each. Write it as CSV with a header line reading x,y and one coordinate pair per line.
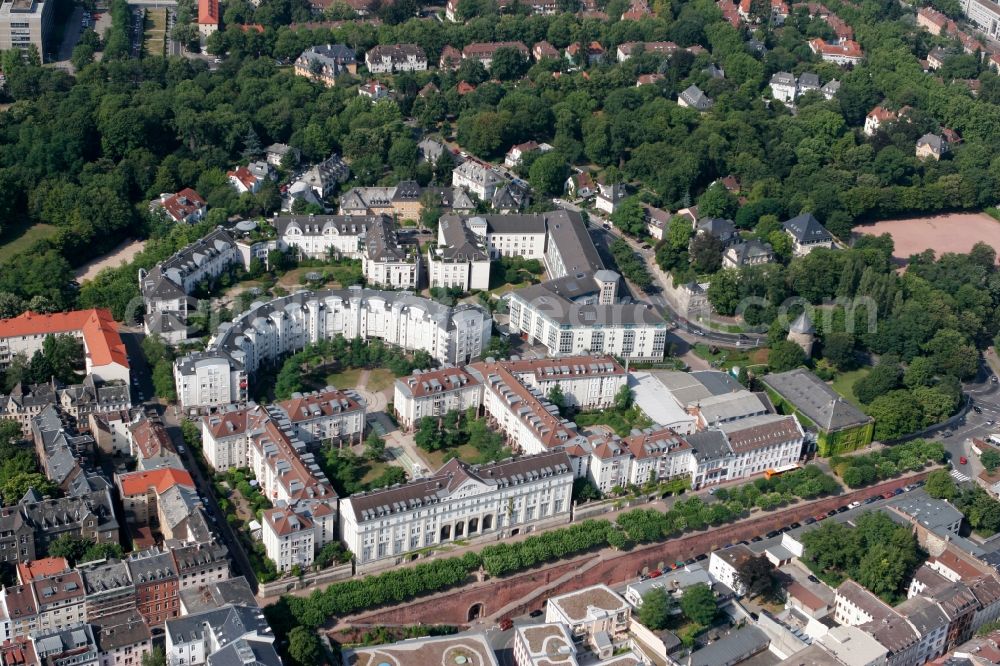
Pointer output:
x,y
617,421
345,378
11,244
435,459
844,383
375,470
380,379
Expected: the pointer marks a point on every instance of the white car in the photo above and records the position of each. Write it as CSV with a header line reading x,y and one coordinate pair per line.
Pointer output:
x,y
854,505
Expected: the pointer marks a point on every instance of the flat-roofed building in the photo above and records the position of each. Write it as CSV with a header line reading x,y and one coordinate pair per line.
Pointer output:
x,y
596,615
544,645
438,650
25,23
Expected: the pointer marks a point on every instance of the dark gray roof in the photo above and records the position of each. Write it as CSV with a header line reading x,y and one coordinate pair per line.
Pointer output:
x,y
460,243
936,143
150,566
245,652
215,595
318,225
103,576
709,444
731,649
934,514
815,400
431,490
120,630
750,249
526,223
383,243
783,79
806,229
228,624
556,306
695,98
808,81
573,244
719,227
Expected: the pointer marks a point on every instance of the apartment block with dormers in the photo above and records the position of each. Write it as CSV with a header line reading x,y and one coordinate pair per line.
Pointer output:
x,y
459,501
434,393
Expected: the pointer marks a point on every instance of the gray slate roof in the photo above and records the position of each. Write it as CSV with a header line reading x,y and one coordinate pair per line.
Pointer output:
x,y
815,400
806,229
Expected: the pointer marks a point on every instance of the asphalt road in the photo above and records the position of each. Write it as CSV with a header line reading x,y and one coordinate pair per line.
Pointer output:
x,y
985,396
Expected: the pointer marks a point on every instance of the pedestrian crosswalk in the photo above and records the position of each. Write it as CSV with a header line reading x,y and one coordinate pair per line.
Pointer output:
x,y
959,476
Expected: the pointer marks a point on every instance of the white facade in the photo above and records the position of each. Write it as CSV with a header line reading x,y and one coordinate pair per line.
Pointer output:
x,y
435,393
319,236
590,611
457,502
587,382
467,275
478,179
984,15
389,58
288,539
629,331
25,23
286,325
723,566
392,273
325,415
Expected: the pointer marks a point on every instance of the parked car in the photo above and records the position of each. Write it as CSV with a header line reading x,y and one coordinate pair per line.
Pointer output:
x,y
655,573
854,505
809,521
842,509
701,558
535,613
947,433
888,495
977,409
813,579
873,498
772,534
756,539
506,624
831,513
820,516
963,460
897,491
794,526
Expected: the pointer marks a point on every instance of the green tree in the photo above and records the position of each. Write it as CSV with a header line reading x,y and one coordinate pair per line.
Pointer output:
x,y
756,575
304,646
940,485
706,253
623,399
156,657
557,398
785,355
374,446
717,201
896,414
883,378
990,459
698,604
656,608
839,350
508,64
630,217
548,174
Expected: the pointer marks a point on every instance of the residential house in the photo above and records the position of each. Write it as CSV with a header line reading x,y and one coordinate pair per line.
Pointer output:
x,y
324,177
724,566
374,90
322,236
185,206
110,431
721,228
209,17
657,220
694,98
435,393
933,146
289,538
123,639
517,153
71,646
581,185
391,58
878,118
609,196
140,492
807,234
108,589
232,634
484,51
843,52
748,253
591,54
460,260
544,50
276,154
478,178
538,644
450,59
243,180
674,582
325,63
154,574
932,19
389,262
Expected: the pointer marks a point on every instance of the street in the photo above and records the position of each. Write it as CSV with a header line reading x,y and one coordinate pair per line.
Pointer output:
x,y
985,397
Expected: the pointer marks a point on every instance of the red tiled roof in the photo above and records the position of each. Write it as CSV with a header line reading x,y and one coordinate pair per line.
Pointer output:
x,y
139,483
882,114
208,12
283,521
847,48
315,405
19,652
933,15
100,333
242,174
439,381
487,49
464,88
47,566
182,204
150,438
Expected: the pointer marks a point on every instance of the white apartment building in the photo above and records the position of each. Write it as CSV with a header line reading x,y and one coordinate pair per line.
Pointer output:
x,y
104,351
984,14
286,325
594,615
460,259
526,418
71,646
320,236
288,538
724,565
225,436
477,178
110,430
459,501
166,286
587,382
389,58
566,327
42,604
203,378
760,443
521,235
325,415
659,454
386,261
435,393
25,23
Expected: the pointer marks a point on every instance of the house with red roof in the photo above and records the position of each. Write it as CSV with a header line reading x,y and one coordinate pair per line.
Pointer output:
x,y
544,50
932,19
844,52
243,180
208,17
877,118
185,206
104,351
141,491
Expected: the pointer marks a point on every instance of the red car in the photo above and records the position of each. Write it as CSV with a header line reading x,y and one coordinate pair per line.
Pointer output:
x,y
655,573
820,516
506,624
963,460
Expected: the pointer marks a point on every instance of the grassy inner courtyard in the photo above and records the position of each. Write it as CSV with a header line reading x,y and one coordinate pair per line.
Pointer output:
x,y
843,384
